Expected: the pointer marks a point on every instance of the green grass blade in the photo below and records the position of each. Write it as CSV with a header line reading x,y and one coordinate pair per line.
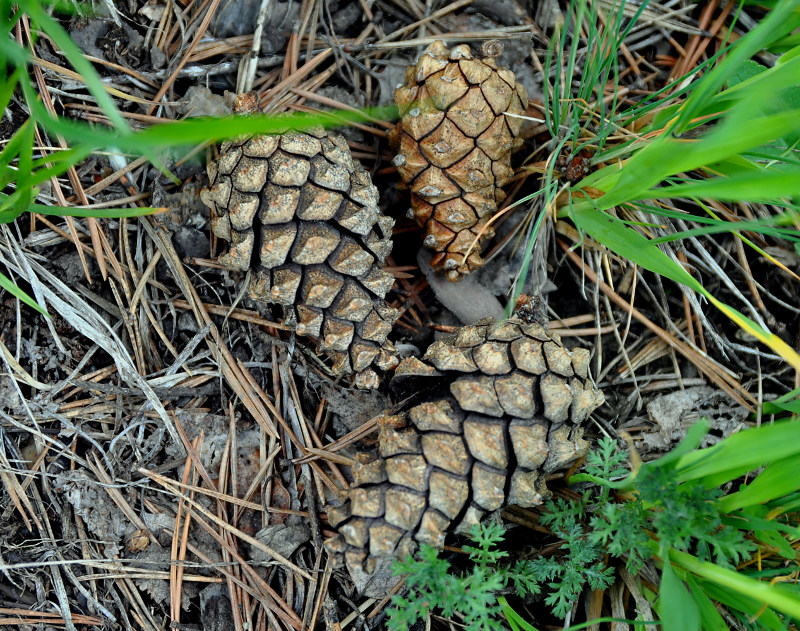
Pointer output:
x,y
550,114
788,504
633,246
775,540
12,206
745,127
751,518
7,87
24,185
771,407
579,8
71,8
605,619
102,213
751,610
515,621
689,443
71,51
11,52
710,619
518,623
675,606
770,226
789,396
604,179
58,163
754,225
549,188
667,155
13,148
785,44
776,480
738,163
665,99
741,453
762,335
15,291
779,22
600,65
767,594
766,186
191,132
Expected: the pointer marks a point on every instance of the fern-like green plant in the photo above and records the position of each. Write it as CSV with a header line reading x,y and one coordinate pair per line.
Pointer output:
x,y
673,510
581,565
474,595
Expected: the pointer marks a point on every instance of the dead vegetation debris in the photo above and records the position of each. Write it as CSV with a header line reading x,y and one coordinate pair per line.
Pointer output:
x,y
168,450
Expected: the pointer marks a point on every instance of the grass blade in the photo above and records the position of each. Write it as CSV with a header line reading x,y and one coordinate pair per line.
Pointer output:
x,y
776,480
710,619
781,21
103,213
71,51
10,287
633,246
515,621
675,606
765,186
191,132
741,453
773,596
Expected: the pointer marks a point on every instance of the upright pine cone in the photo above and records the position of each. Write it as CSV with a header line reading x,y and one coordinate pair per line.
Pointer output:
x,y
302,216
454,145
507,412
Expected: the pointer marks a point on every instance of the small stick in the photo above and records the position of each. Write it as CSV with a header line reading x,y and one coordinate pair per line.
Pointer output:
x,y
247,71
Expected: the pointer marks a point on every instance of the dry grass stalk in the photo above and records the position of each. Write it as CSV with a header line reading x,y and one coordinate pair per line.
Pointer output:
x,y
16,617
707,366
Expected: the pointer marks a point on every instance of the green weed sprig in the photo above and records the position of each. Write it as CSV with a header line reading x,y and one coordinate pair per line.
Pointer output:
x,y
433,586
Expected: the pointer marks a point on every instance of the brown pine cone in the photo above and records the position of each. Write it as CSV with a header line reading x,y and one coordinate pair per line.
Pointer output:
x,y
302,216
510,402
454,146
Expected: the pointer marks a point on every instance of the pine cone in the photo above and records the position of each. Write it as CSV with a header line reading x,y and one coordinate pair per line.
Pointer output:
x,y
508,412
454,146
302,216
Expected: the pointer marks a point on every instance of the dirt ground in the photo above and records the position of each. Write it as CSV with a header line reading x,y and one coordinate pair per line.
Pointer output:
x,y
169,449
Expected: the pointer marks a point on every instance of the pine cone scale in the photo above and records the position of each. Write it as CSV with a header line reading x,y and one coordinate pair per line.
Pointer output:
x,y
288,170
448,494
